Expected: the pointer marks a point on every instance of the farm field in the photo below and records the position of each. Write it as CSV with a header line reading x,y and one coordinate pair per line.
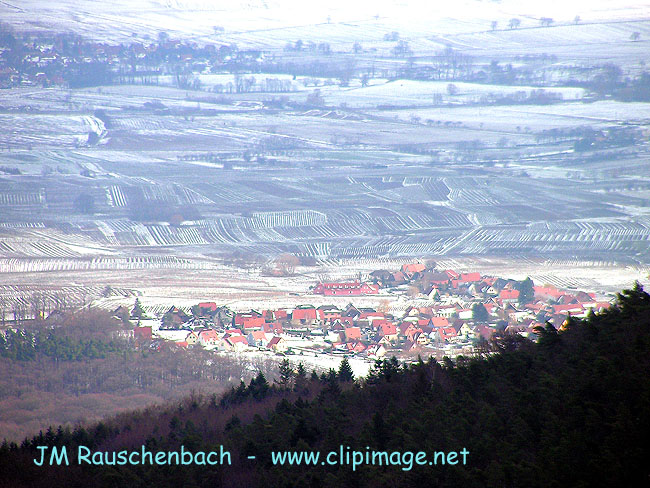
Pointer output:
x,y
349,135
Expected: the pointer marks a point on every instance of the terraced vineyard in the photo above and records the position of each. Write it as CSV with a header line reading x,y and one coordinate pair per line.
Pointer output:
x,y
351,136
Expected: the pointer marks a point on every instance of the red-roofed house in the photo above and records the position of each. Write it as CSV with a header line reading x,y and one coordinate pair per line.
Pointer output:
x,y
234,343
444,334
352,333
241,319
355,346
568,308
547,291
349,288
303,315
192,338
275,328
277,344
258,338
411,269
470,277
376,351
377,324
408,330
328,313
399,278
439,322
208,337
211,306
253,323
484,331
509,295
280,314
389,331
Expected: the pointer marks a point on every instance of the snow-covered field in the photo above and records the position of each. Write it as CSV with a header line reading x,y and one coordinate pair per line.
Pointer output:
x,y
246,291
536,118
263,23
26,130
412,92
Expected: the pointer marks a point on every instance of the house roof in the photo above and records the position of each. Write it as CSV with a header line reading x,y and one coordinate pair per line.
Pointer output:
x,y
509,294
439,321
470,277
258,335
388,329
236,339
353,333
208,334
413,268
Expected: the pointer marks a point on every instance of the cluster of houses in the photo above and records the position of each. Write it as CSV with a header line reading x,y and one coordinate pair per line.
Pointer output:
x,y
48,60
460,311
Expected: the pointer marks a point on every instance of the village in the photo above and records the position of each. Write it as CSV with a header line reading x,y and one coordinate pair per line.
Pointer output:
x,y
465,312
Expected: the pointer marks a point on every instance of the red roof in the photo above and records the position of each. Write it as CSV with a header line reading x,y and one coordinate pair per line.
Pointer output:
x,y
490,306
470,277
399,277
273,328
356,346
352,333
378,324
241,318
208,335
388,329
440,321
235,339
569,307
349,288
413,268
258,335
304,314
549,291
253,322
208,305
446,332
373,314
329,314
509,294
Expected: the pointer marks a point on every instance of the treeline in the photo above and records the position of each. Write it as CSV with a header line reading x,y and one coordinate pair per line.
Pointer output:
x,y
79,366
23,345
572,410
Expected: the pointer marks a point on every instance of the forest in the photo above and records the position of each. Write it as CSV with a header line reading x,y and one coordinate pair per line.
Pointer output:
x,y
570,410
83,369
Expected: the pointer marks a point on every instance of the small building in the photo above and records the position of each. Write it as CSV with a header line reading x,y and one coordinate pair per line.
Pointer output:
x,y
346,288
278,344
208,338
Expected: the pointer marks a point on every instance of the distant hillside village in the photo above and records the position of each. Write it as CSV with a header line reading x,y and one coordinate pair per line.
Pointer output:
x,y
67,60
465,311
